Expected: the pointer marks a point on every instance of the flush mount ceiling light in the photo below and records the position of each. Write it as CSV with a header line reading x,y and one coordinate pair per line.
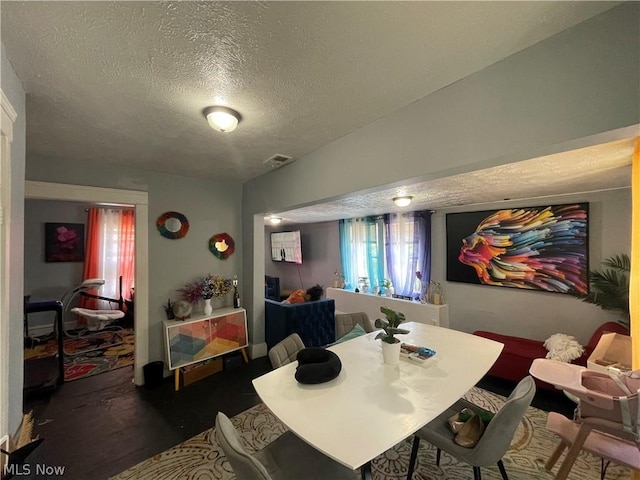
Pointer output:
x,y
222,119
275,220
402,201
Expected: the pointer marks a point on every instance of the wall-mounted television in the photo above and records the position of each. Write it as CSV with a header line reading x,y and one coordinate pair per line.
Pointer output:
x,y
286,247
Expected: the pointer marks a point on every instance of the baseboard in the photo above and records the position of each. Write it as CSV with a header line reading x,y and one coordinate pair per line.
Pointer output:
x,y
257,350
42,330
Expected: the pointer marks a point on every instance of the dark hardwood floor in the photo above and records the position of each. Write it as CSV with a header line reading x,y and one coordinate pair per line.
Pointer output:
x,y
99,426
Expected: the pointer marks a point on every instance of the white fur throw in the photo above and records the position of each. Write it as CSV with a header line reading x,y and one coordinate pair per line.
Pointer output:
x,y
563,348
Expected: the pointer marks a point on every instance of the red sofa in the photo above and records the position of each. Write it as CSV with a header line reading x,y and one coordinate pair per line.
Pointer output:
x,y
518,353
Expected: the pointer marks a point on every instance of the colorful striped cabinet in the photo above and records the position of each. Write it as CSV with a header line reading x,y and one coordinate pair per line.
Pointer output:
x,y
203,337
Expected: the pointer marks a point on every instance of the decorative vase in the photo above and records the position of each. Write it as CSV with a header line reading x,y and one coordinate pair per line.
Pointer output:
x,y
207,306
391,352
436,293
388,291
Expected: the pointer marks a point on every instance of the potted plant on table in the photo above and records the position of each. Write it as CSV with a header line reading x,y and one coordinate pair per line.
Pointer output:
x,y
389,326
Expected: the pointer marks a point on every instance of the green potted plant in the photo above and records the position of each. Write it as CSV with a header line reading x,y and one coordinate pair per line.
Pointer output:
x,y
610,287
389,326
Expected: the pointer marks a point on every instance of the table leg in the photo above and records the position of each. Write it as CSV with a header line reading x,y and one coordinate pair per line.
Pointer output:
x,y
177,378
365,471
244,355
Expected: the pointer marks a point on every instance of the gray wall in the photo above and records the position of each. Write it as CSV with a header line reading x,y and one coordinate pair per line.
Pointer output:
x,y
48,280
210,207
12,88
537,314
320,256
571,90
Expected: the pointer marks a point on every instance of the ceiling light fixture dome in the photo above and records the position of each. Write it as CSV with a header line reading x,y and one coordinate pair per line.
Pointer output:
x,y
402,201
222,119
275,220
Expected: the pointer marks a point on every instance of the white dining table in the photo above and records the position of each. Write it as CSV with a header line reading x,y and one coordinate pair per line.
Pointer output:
x,y
372,406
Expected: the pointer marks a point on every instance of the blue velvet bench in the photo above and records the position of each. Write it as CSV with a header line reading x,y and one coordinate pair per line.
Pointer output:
x,y
313,321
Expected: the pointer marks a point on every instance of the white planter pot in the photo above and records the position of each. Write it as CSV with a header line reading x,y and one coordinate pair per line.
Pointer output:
x,y
391,352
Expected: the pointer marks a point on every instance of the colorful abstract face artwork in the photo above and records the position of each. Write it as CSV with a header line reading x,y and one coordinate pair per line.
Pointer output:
x,y
535,248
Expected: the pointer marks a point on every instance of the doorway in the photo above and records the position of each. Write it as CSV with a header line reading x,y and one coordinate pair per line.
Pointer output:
x,y
66,243
139,200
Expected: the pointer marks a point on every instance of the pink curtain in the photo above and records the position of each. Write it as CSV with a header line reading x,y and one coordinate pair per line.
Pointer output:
x,y
91,256
126,267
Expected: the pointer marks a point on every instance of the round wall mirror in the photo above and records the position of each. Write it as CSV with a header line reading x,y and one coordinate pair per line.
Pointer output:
x,y
222,245
172,225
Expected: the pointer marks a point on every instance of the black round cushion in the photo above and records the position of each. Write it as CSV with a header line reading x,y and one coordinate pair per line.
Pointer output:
x,y
317,365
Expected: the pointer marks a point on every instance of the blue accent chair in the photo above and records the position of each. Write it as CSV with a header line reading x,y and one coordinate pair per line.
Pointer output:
x,y
313,321
272,288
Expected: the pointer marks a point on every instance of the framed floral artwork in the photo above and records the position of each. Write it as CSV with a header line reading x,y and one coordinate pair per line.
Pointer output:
x,y
64,242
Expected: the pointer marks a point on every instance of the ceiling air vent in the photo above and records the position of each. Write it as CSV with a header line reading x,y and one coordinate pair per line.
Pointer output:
x,y
278,160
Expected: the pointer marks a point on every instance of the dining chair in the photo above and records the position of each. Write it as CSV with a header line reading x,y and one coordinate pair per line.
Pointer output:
x,y
345,322
287,457
496,438
285,351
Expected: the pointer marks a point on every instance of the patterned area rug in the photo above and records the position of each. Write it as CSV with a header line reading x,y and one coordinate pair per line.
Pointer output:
x,y
200,457
94,362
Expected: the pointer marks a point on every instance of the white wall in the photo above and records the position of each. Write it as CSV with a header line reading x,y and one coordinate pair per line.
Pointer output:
x,y
210,207
12,88
559,94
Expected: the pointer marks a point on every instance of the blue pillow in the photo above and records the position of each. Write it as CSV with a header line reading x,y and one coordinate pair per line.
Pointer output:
x,y
356,332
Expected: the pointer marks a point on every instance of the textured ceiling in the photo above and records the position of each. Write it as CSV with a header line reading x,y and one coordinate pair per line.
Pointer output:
x,y
124,83
602,167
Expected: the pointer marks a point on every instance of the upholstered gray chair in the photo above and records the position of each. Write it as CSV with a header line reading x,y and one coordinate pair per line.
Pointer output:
x,y
285,351
287,457
496,438
346,321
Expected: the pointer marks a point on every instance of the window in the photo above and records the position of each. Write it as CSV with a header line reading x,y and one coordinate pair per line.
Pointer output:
x,y
110,254
393,246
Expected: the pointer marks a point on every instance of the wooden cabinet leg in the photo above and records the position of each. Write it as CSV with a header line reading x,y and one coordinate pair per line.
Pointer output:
x,y
177,378
244,355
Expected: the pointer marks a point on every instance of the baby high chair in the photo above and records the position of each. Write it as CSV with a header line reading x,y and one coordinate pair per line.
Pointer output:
x,y
606,422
